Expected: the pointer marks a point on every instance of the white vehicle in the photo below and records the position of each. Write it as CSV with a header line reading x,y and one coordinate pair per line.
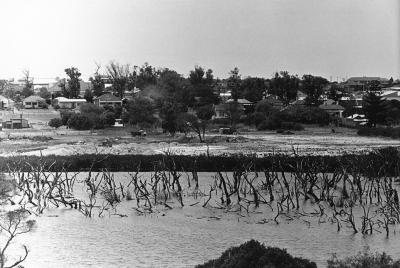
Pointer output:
x,y
118,123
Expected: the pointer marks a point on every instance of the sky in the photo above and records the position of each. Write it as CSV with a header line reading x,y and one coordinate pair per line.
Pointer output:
x,y
331,38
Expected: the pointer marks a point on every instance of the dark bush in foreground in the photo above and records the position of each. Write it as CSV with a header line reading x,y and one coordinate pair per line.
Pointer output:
x,y
253,254
55,122
380,131
366,260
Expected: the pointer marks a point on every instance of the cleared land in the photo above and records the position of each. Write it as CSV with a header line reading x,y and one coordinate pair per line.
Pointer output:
x,y
41,139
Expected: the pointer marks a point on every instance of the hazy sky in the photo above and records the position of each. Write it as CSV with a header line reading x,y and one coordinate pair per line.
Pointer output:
x,y
335,38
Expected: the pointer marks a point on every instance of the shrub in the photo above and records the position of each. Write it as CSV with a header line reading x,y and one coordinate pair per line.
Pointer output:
x,y
55,122
80,122
108,118
365,260
254,254
305,115
65,116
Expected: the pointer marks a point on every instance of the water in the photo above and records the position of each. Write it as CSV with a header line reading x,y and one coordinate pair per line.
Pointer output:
x,y
182,237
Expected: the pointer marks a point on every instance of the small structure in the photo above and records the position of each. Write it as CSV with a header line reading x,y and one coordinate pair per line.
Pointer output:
x,y
34,102
65,103
333,109
107,100
15,123
6,103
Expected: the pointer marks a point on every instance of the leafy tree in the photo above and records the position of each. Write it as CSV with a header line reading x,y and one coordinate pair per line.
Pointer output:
x,y
108,118
97,83
146,76
393,112
334,92
169,113
313,87
88,96
285,86
375,108
72,89
140,111
202,86
28,85
233,84
234,111
122,77
253,88
173,87
44,93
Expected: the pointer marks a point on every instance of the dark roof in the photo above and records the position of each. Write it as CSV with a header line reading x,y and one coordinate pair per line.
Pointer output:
x,y
108,97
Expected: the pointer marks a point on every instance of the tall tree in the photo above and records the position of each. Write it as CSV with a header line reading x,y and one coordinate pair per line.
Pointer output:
x,y
285,86
122,77
28,84
253,88
202,86
313,87
375,108
147,75
233,83
73,87
97,82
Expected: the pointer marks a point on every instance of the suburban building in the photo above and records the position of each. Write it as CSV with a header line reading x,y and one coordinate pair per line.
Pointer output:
x,y
108,100
64,103
360,83
15,123
332,108
6,103
34,102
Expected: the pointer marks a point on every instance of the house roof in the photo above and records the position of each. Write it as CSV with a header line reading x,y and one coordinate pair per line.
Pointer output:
x,y
366,79
63,99
240,101
108,98
34,98
6,100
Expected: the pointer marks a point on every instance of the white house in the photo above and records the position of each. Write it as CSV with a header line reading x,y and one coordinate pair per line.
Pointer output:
x,y
33,102
65,103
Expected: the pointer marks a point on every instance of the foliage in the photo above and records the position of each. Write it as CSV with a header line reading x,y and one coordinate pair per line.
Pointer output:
x,y
234,112
80,122
56,122
88,96
365,260
146,76
202,86
107,119
72,89
122,77
305,115
233,83
172,87
335,92
44,93
265,107
169,113
253,88
285,86
97,83
374,107
254,254
139,110
313,87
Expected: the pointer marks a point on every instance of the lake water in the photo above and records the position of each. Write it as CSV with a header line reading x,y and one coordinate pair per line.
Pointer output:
x,y
182,237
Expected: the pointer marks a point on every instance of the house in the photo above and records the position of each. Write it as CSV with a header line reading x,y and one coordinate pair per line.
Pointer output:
x,y
34,102
332,108
15,123
6,103
64,103
360,83
248,106
274,102
108,100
